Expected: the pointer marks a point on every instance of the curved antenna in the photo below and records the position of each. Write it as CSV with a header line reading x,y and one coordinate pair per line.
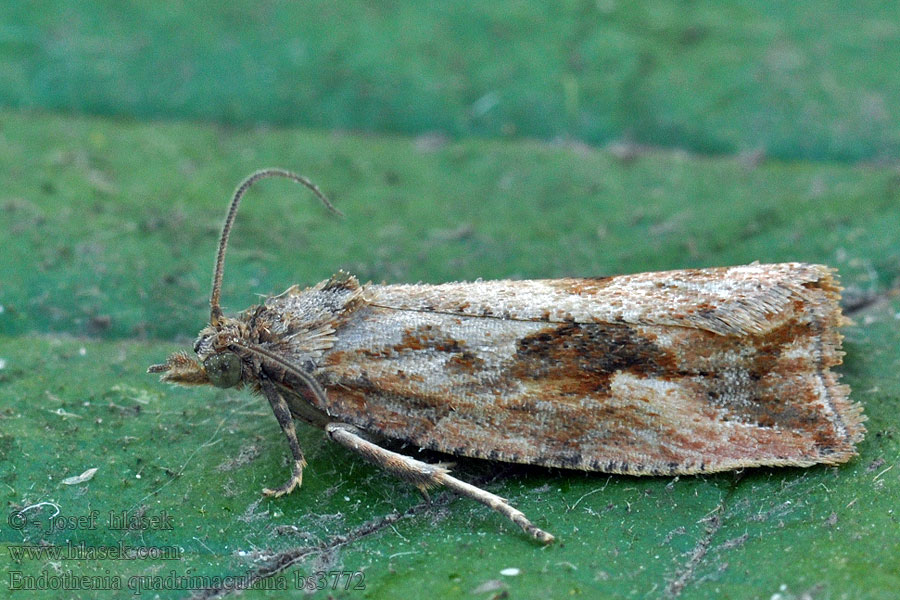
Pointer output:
x,y
302,375
215,314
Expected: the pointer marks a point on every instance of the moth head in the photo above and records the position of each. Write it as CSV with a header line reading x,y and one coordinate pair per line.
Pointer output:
x,y
217,355
223,369
216,363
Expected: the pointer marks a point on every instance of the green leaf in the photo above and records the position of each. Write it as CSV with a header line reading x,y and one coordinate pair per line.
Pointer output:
x,y
802,80
109,232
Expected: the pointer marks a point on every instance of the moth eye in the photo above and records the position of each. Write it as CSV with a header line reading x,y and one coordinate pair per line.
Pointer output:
x,y
223,369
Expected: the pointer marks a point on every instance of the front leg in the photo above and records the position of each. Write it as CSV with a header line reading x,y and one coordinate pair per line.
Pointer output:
x,y
283,414
423,476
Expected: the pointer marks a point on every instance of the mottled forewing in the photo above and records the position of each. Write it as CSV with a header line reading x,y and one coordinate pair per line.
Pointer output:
x,y
675,372
728,300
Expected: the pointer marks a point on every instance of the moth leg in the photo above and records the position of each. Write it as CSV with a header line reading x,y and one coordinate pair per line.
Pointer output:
x,y
424,475
283,415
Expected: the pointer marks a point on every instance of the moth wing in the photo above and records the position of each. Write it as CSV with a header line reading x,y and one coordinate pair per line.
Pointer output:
x,y
748,299
677,372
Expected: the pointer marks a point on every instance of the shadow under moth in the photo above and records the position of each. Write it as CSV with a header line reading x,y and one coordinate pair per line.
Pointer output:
x,y
669,373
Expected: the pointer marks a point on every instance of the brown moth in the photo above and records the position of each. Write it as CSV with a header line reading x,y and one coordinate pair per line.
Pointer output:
x,y
678,372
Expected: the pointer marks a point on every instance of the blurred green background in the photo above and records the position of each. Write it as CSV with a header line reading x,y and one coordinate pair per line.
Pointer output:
x,y
461,140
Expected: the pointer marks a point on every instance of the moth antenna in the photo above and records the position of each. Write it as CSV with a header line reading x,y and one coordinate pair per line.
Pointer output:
x,y
305,377
215,315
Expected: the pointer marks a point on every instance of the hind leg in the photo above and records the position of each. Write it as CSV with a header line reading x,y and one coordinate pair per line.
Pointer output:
x,y
424,476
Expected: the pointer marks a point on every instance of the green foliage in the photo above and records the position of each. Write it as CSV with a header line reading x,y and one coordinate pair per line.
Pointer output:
x,y
796,79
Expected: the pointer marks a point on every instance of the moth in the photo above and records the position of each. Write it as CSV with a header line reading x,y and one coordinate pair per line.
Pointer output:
x,y
670,373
